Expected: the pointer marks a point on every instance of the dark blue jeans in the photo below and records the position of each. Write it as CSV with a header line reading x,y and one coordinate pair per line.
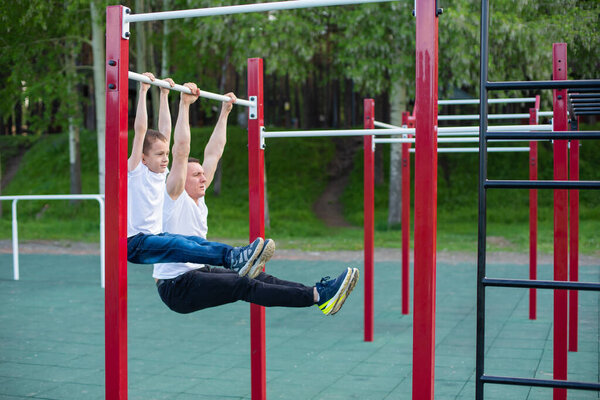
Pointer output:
x,y
168,247
210,287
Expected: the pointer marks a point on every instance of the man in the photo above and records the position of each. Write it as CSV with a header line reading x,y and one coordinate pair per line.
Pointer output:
x,y
147,243
188,287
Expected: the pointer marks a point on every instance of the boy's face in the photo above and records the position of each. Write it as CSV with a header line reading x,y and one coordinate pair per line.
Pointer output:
x,y
157,158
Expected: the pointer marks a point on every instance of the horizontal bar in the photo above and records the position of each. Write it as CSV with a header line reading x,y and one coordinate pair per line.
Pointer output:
x,y
519,184
587,113
585,103
585,83
476,149
330,133
595,90
180,88
490,101
54,197
442,140
591,108
490,116
524,283
475,129
555,135
553,383
242,9
583,96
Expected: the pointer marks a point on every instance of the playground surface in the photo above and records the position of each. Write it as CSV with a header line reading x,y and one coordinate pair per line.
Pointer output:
x,y
52,336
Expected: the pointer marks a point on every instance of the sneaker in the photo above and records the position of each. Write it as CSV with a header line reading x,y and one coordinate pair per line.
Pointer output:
x,y
241,259
330,290
344,296
265,255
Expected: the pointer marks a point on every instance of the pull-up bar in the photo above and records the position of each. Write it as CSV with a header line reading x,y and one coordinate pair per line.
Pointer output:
x,y
446,140
476,149
490,101
242,9
180,88
469,130
491,116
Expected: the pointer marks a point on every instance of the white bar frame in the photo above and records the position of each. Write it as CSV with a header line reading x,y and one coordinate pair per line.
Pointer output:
x,y
490,101
242,9
491,116
180,88
474,130
447,140
476,149
15,229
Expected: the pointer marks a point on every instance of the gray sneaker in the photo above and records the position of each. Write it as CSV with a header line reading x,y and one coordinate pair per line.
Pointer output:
x,y
241,259
265,255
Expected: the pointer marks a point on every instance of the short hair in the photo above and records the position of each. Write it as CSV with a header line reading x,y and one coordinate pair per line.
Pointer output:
x,y
152,136
192,159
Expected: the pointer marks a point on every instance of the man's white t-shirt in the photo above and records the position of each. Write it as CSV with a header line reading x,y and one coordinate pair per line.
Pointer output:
x,y
145,198
182,216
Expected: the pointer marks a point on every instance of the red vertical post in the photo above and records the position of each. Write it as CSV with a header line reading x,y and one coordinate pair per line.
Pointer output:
x,y
573,241
559,57
405,218
425,200
369,206
533,212
256,168
115,294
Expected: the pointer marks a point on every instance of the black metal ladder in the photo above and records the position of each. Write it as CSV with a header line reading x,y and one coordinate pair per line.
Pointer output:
x,y
584,100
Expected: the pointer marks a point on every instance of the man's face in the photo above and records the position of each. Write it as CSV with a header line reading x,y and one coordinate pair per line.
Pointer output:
x,y
158,158
195,182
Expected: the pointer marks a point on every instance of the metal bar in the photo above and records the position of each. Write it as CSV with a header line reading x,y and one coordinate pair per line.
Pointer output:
x,y
180,88
490,101
476,117
573,244
556,135
256,182
446,140
426,106
524,283
584,96
576,108
405,217
561,220
520,184
461,129
369,218
15,240
242,9
476,149
505,380
533,213
586,103
595,90
587,113
482,206
331,133
117,84
525,85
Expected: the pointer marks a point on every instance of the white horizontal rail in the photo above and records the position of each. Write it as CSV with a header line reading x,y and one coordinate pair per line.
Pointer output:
x,y
347,132
472,130
447,140
180,88
490,116
242,9
15,230
476,149
490,101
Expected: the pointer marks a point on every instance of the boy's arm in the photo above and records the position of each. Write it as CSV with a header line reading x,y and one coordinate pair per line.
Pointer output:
x,y
164,114
181,144
140,126
216,144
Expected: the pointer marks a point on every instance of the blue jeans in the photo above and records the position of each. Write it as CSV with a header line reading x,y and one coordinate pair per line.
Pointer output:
x,y
168,247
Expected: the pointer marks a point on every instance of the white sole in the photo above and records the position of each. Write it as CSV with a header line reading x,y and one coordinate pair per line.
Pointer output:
x,y
341,290
266,254
353,281
246,268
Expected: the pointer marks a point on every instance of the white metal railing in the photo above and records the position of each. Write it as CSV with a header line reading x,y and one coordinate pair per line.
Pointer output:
x,y
490,101
180,88
476,149
15,231
466,130
469,117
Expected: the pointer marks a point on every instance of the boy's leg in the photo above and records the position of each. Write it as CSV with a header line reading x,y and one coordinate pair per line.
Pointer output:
x,y
212,287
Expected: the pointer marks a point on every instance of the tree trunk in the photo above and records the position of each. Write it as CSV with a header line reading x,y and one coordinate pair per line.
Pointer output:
x,y
99,94
74,154
397,105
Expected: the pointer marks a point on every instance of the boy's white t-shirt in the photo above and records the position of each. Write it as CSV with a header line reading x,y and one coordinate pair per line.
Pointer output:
x,y
145,199
182,216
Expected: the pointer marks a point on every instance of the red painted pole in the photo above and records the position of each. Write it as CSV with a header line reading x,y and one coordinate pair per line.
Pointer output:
x,y
573,243
256,167
405,217
369,207
115,294
533,214
559,56
426,106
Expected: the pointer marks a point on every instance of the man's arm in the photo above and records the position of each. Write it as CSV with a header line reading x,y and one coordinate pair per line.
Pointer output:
x,y
164,114
216,144
140,126
181,143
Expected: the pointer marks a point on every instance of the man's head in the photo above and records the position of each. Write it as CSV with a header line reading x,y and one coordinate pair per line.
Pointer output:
x,y
195,181
155,151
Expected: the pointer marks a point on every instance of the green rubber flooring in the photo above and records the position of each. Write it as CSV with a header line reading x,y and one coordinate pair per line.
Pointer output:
x,y
52,337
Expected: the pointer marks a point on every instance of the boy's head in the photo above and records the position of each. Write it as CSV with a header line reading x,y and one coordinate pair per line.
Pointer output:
x,y
155,154
195,181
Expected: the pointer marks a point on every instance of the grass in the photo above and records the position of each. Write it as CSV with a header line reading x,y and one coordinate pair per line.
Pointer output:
x,y
296,175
